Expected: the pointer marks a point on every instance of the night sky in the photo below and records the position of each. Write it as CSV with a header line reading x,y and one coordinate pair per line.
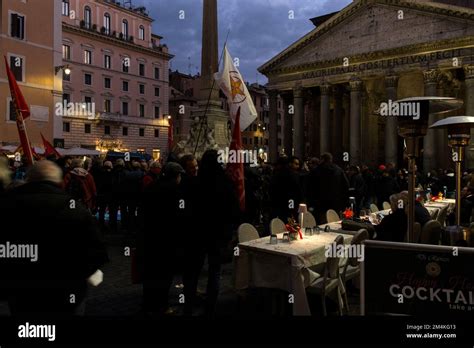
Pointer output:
x,y
259,29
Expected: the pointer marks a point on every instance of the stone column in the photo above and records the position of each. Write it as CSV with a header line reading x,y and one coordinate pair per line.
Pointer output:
x,y
355,140
391,130
273,126
443,153
324,133
209,54
298,123
287,125
469,105
337,123
430,78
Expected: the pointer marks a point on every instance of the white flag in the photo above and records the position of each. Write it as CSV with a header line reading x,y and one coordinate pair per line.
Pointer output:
x,y
233,86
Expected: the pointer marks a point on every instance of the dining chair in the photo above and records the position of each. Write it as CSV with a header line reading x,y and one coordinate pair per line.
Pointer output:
x,y
351,268
246,232
442,216
308,220
277,226
374,208
332,216
331,281
431,233
386,206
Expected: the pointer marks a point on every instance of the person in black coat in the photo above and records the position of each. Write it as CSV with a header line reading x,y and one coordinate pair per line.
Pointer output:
x,y
393,227
69,249
218,215
285,191
328,188
163,226
386,186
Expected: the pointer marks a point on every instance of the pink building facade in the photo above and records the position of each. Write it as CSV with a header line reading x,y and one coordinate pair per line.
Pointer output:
x,y
118,76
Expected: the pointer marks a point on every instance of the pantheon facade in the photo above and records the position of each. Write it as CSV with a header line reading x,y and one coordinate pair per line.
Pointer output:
x,y
334,79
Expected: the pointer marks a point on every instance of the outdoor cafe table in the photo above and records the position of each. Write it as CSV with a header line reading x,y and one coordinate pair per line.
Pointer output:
x,y
284,266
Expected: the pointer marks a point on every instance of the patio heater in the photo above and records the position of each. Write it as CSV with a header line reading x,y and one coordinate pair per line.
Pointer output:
x,y
459,134
414,128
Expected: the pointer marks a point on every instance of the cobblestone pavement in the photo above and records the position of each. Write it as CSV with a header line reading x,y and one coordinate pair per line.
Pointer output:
x,y
117,296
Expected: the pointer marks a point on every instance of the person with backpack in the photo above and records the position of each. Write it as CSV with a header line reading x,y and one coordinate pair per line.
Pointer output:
x,y
80,185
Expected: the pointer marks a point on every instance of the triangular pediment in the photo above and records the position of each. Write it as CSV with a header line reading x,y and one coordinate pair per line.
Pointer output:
x,y
368,26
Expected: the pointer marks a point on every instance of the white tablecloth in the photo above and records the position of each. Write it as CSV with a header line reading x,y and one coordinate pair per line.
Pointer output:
x,y
283,266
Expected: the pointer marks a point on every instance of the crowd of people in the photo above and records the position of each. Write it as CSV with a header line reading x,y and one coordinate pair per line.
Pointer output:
x,y
180,214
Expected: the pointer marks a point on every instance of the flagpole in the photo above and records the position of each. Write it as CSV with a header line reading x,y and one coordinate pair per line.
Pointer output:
x,y
20,123
210,94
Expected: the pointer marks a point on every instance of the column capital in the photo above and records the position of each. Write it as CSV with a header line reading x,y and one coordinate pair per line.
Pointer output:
x,y
355,84
444,78
391,81
469,71
325,89
298,92
430,76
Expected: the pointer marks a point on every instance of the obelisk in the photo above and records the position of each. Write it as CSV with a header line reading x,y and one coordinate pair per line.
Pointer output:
x,y
214,120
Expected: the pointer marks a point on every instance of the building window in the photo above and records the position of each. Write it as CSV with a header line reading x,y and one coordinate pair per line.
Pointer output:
x,y
157,112
107,61
88,79
125,108
66,52
125,86
66,127
141,132
87,128
107,24
157,73
141,69
66,98
125,131
65,8
87,57
125,64
16,65
141,88
11,111
107,82
125,29
17,26
141,110
87,17
107,105
141,32
157,133
107,130
157,91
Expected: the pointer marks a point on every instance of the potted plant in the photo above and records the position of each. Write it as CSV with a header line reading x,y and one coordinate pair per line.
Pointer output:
x,y
102,30
130,38
121,36
94,27
83,23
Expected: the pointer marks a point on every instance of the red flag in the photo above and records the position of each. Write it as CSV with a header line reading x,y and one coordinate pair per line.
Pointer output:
x,y
236,170
22,112
49,149
170,135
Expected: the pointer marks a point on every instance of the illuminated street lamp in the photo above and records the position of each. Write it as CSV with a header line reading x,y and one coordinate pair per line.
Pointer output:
x,y
459,134
65,68
414,128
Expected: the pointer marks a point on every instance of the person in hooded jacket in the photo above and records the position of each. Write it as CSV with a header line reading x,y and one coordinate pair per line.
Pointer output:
x,y
80,184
